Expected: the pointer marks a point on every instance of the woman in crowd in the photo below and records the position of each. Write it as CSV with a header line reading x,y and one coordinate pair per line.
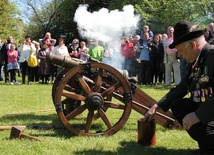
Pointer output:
x,y
154,59
208,36
83,50
73,49
61,50
12,65
44,68
25,50
53,68
35,75
161,70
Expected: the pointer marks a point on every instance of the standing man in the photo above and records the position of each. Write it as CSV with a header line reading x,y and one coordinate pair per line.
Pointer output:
x,y
170,59
96,51
144,75
195,113
4,49
135,63
127,48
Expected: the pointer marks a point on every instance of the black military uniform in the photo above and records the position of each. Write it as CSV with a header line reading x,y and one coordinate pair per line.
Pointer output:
x,y
197,86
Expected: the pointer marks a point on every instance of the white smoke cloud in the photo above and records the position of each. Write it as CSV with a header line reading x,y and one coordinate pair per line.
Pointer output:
x,y
104,24
107,26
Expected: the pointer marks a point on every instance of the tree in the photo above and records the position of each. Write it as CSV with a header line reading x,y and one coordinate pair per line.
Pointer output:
x,y
10,22
163,13
57,15
41,17
205,10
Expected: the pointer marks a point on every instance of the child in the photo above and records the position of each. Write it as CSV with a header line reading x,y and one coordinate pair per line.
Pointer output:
x,y
12,65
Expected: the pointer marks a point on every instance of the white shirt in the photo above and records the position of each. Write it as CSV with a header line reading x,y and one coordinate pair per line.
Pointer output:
x,y
25,52
61,50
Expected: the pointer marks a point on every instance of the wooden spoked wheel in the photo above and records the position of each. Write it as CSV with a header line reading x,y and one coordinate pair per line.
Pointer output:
x,y
103,108
57,81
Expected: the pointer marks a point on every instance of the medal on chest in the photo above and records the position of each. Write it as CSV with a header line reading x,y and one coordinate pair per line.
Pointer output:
x,y
203,99
204,77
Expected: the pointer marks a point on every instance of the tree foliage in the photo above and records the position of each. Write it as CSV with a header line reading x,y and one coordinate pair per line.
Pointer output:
x,y
42,19
10,22
57,16
163,13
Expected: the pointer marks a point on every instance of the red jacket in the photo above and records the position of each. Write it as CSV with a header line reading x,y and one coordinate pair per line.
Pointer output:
x,y
128,50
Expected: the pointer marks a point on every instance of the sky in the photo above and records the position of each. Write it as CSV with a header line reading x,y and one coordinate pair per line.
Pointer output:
x,y
21,4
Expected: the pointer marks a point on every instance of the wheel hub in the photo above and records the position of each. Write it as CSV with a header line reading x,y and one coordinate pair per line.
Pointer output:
x,y
94,101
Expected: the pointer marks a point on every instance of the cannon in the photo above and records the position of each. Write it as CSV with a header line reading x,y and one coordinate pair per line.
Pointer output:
x,y
92,98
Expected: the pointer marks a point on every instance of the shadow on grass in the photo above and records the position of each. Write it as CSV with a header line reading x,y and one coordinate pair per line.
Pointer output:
x,y
125,147
134,148
27,116
37,122
45,122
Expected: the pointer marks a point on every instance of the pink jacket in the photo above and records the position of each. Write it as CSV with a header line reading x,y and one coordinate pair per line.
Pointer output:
x,y
12,56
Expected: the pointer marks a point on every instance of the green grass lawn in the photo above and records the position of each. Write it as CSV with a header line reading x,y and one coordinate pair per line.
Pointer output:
x,y
32,104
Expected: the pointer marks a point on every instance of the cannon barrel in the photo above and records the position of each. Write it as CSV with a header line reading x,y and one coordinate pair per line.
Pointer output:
x,y
62,61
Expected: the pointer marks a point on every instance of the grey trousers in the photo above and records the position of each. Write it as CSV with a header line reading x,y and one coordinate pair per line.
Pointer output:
x,y
173,65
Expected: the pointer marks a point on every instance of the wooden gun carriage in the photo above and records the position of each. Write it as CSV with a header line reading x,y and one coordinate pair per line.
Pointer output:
x,y
92,98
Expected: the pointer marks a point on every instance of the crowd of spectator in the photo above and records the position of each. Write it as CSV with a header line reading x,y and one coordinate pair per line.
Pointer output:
x,y
145,56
